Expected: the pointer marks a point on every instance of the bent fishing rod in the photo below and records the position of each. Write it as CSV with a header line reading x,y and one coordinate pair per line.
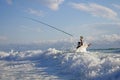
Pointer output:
x,y
35,20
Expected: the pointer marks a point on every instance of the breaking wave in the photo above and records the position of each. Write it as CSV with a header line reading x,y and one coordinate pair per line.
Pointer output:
x,y
80,66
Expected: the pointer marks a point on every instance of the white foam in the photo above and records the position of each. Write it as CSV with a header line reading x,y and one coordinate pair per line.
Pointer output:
x,y
82,48
81,66
3,54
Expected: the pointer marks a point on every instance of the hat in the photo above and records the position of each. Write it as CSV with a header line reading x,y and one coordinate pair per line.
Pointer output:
x,y
81,37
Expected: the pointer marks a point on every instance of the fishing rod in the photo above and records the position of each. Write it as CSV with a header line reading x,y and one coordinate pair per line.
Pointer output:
x,y
49,26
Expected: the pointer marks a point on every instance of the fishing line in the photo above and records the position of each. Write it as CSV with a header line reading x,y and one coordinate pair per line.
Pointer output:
x,y
71,40
35,20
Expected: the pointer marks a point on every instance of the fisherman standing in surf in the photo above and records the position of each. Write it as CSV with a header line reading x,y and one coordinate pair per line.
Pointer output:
x,y
80,43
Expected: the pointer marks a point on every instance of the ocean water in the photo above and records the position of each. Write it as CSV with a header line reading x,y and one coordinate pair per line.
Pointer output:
x,y
54,64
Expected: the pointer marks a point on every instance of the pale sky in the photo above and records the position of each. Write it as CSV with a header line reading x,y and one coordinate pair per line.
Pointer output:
x,y
94,19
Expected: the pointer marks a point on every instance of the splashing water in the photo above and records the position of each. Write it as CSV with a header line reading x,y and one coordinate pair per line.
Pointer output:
x,y
53,64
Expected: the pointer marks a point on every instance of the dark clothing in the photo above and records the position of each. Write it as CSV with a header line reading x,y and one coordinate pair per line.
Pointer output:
x,y
79,44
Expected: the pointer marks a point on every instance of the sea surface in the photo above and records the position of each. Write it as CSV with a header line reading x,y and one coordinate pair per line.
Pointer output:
x,y
55,64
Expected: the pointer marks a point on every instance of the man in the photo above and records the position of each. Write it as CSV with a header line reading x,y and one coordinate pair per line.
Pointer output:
x,y
80,43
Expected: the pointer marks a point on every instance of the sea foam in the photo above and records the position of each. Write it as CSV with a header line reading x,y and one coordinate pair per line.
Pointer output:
x,y
81,66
